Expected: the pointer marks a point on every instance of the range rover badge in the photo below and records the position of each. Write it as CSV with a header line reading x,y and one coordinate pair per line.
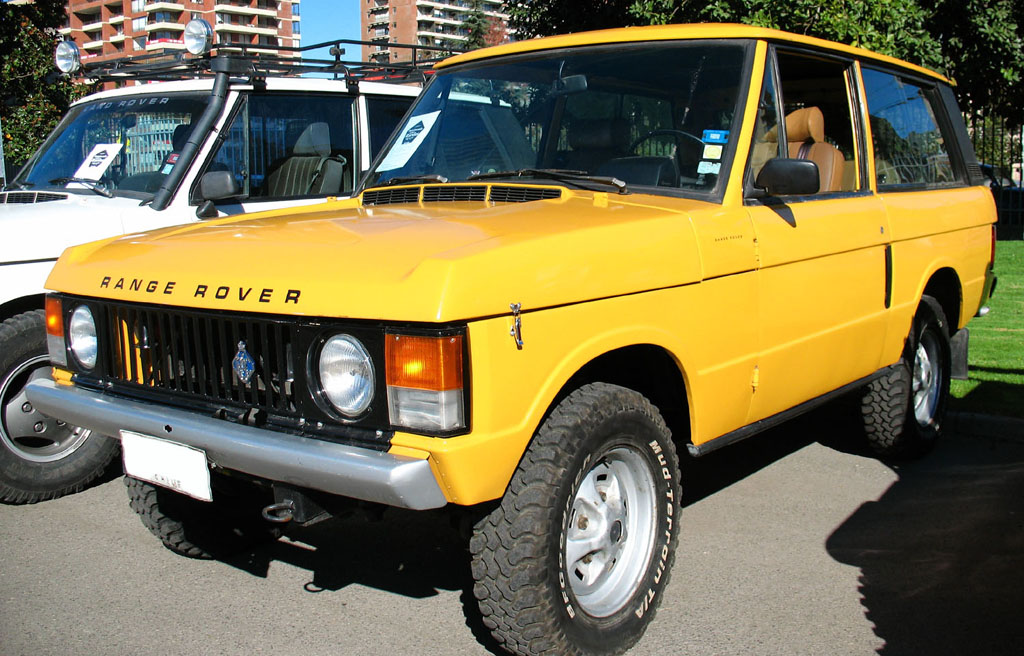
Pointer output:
x,y
243,364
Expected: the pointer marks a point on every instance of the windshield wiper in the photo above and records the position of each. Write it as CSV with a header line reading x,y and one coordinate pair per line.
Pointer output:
x,y
562,175
20,185
93,185
412,178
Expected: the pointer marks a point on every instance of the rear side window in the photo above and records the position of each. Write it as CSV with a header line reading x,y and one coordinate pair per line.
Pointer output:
x,y
910,149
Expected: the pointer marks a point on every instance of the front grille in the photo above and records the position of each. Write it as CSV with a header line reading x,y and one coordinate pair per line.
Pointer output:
x,y
28,197
190,353
503,194
450,193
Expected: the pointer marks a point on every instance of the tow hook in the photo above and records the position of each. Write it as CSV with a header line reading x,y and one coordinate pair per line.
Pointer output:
x,y
280,513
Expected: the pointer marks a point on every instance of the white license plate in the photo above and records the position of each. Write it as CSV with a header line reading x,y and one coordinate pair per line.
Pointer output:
x,y
175,466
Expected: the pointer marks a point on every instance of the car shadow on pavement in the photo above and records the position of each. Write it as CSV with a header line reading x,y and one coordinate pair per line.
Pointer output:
x,y
415,554
712,473
941,552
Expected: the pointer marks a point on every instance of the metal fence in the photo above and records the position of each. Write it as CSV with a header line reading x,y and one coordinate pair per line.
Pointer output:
x,y
1000,149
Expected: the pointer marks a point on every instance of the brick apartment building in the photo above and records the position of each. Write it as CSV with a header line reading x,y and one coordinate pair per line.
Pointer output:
x,y
112,29
423,22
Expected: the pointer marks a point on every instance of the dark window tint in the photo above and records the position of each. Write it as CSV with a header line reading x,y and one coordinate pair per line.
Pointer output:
x,y
290,146
909,146
384,115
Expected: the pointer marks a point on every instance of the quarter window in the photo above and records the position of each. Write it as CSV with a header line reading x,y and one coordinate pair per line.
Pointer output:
x,y
909,147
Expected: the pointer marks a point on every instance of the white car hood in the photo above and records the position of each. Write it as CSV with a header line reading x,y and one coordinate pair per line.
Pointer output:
x,y
42,230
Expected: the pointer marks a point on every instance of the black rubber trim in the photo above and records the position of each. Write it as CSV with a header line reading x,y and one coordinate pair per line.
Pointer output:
x,y
749,430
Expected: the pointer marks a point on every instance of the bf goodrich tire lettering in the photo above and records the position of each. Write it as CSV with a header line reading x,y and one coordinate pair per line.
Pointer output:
x,y
577,556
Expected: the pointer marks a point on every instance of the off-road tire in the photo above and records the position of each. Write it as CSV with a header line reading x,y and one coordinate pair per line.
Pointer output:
x,y
519,558
892,425
200,529
34,469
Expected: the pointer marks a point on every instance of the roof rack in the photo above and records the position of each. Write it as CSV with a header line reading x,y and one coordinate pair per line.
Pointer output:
x,y
259,61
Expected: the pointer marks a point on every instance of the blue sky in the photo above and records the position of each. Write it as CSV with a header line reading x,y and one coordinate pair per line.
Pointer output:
x,y
324,20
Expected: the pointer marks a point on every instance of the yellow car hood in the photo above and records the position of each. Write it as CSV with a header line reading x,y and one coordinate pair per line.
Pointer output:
x,y
431,262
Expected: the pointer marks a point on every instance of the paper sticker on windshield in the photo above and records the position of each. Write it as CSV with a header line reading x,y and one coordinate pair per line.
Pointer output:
x,y
716,136
709,167
409,140
712,151
98,161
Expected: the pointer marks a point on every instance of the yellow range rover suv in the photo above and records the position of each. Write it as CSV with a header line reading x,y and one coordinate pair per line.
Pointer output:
x,y
578,258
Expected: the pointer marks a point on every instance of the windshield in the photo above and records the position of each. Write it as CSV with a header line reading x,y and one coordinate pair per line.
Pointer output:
x,y
658,114
124,146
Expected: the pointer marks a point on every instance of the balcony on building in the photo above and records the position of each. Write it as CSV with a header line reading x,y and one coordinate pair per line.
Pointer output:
x,y
262,9
168,6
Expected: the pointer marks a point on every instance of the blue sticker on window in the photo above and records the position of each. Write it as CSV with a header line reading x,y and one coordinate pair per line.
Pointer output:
x,y
716,136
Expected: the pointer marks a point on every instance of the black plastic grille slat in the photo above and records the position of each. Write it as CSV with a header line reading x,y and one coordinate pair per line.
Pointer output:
x,y
503,194
187,353
452,193
392,196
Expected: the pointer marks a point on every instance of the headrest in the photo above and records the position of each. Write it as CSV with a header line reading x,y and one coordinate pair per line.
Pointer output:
x,y
180,136
801,125
597,133
314,140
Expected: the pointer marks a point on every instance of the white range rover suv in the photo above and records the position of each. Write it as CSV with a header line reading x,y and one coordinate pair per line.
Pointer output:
x,y
213,133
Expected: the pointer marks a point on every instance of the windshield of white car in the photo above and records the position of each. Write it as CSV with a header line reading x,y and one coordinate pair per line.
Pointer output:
x,y
124,146
659,115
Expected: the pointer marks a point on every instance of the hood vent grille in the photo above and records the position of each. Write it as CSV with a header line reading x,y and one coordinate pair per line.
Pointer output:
x,y
448,194
523,194
29,197
454,193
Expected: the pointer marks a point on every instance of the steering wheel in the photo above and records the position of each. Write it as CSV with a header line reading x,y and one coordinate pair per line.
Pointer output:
x,y
665,132
678,136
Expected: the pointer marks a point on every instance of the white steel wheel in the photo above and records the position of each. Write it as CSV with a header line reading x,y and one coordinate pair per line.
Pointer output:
x,y
610,532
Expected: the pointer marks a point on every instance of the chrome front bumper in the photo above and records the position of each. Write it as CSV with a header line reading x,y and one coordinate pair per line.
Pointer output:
x,y
303,461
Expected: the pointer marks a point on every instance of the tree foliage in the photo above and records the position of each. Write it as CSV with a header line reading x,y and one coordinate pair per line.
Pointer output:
x,y
477,26
978,43
32,96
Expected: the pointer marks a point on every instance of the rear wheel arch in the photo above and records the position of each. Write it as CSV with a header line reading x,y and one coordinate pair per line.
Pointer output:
x,y
945,287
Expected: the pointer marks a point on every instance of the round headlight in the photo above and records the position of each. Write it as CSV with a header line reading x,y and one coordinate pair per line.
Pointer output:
x,y
346,374
82,336
68,58
198,36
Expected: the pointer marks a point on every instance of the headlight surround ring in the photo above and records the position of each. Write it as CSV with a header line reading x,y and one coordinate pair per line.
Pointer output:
x,y
82,337
346,376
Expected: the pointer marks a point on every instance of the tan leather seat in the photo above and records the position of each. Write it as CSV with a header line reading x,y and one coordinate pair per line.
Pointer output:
x,y
805,137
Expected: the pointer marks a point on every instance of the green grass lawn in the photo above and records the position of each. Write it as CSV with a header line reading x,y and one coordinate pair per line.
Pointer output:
x,y
996,383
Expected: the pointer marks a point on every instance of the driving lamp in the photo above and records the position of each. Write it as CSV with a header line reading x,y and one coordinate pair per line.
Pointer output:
x,y
68,58
198,37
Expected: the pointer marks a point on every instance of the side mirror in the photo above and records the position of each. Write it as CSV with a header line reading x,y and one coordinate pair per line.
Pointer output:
x,y
788,177
217,185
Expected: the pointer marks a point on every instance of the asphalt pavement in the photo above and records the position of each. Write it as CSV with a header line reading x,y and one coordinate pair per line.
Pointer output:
x,y
794,542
